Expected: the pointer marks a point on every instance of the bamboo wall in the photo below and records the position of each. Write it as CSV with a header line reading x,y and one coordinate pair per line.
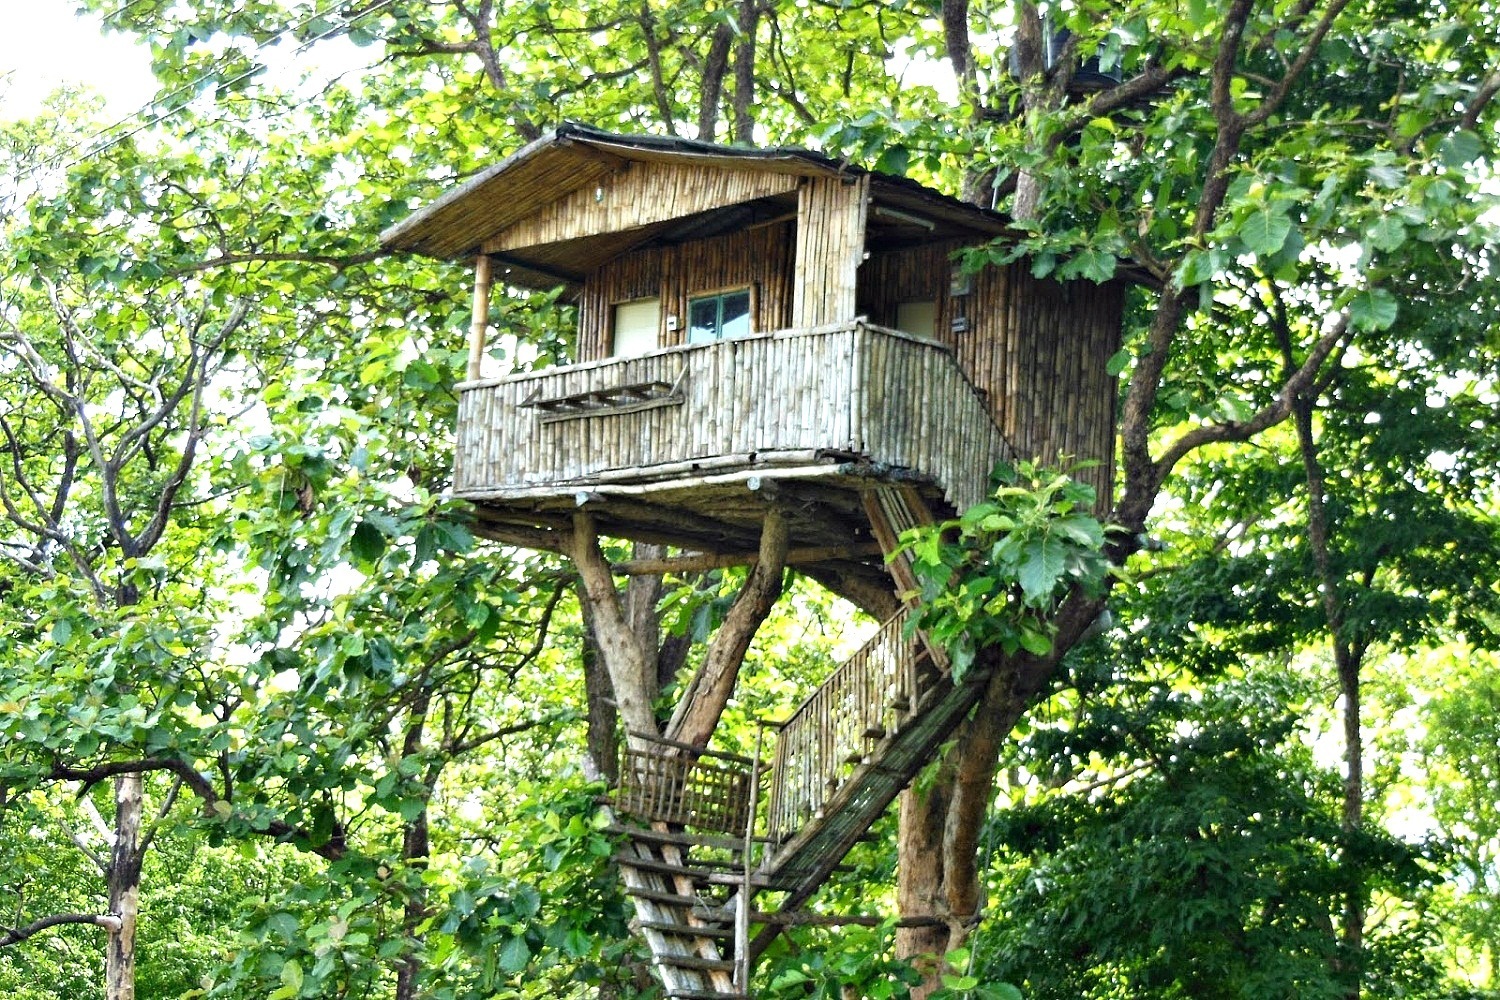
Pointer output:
x,y
849,388
1037,349
760,258
639,195
831,214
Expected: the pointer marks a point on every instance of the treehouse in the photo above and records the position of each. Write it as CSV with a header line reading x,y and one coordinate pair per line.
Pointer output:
x,y
780,360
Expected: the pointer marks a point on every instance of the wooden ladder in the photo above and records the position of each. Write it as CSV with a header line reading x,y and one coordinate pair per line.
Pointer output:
x,y
687,862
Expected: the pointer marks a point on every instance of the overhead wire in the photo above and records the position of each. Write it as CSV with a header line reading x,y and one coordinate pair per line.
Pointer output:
x,y
157,118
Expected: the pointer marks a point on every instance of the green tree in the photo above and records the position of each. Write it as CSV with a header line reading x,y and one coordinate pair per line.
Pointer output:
x,y
323,619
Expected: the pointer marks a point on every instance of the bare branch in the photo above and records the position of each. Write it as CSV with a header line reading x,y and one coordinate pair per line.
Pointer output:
x,y
153,531
1269,415
15,935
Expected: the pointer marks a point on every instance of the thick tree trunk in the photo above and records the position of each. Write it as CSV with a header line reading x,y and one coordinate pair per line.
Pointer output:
x,y
744,72
702,703
631,670
938,872
124,888
920,888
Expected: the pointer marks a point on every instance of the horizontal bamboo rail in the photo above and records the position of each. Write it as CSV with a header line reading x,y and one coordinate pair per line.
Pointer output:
x,y
847,389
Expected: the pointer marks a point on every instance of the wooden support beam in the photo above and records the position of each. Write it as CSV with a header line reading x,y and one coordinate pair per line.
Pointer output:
x,y
699,561
480,320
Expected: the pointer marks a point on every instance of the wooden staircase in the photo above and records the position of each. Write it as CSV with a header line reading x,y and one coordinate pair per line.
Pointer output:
x,y
694,860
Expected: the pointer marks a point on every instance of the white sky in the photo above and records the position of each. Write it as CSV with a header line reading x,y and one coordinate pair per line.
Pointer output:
x,y
44,45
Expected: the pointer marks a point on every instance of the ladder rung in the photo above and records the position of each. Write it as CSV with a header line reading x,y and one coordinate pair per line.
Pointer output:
x,y
679,839
701,906
667,868
686,930
694,962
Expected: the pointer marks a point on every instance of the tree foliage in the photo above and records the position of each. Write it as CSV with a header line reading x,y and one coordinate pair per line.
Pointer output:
x,y
228,571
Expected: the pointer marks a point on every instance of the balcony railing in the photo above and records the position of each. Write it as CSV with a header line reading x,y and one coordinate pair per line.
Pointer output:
x,y
790,397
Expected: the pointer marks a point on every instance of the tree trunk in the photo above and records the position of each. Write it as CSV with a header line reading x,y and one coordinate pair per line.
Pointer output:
x,y
416,848
938,873
124,888
920,886
744,72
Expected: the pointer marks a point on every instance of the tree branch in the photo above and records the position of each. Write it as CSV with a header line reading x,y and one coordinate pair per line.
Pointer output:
x,y
15,935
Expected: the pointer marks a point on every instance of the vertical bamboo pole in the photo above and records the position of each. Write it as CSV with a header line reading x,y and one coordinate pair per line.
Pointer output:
x,y
481,317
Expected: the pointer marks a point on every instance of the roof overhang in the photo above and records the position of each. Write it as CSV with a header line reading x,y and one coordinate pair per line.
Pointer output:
x,y
464,221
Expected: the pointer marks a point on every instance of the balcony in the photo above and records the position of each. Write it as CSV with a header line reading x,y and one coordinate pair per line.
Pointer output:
x,y
687,445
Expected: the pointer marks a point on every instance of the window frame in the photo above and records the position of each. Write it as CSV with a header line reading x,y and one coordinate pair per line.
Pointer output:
x,y
720,294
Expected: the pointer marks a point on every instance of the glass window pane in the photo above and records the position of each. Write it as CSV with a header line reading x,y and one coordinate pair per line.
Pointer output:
x,y
703,320
735,319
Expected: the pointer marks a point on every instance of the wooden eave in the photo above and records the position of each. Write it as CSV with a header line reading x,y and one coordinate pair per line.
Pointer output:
x,y
468,219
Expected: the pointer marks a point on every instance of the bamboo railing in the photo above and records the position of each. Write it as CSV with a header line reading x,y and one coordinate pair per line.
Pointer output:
x,y
849,389
706,791
841,725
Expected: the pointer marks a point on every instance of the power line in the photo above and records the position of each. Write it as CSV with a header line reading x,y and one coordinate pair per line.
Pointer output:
x,y
157,118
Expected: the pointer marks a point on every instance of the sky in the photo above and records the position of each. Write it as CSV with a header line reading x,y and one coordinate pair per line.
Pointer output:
x,y
45,45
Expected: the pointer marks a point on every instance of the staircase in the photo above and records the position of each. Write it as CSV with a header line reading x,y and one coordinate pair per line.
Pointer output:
x,y
690,861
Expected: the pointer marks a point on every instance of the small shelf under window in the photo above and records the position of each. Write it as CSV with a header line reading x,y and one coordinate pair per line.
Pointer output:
x,y
615,399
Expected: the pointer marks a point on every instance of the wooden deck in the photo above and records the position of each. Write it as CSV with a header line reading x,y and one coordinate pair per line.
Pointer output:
x,y
687,445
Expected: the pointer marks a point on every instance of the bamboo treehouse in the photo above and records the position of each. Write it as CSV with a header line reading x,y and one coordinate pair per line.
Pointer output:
x,y
779,363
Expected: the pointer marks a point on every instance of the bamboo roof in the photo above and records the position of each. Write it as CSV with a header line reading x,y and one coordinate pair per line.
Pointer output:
x,y
573,158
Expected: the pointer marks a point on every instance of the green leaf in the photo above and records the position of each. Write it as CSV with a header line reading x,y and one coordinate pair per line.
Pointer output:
x,y
1388,233
1373,309
1034,642
1264,231
1042,561
514,954
1118,362
367,544
291,976
1460,149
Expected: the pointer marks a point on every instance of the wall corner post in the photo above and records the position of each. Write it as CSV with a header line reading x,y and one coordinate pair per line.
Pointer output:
x,y
479,324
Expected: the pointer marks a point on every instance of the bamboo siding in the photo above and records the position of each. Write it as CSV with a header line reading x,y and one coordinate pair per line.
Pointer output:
x,y
758,258
634,197
1045,365
831,215
849,389
1035,348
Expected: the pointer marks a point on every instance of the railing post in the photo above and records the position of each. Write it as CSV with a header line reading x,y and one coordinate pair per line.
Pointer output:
x,y
742,911
479,322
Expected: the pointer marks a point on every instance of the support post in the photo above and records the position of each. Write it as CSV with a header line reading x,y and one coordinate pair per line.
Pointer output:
x,y
479,324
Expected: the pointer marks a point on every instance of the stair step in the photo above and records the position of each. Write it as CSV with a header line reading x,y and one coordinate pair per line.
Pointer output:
x,y
686,930
707,909
677,839
695,962
701,871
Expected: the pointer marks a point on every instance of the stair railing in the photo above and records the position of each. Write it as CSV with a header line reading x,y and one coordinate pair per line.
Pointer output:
x,y
840,725
670,782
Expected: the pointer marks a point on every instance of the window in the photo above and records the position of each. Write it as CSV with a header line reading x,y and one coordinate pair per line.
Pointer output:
x,y
714,317
636,325
917,317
